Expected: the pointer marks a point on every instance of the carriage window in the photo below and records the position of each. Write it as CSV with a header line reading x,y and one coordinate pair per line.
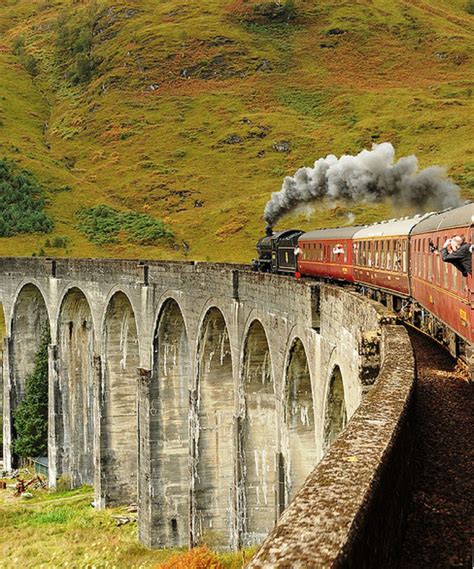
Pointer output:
x,y
382,254
369,253
376,254
345,252
404,256
389,255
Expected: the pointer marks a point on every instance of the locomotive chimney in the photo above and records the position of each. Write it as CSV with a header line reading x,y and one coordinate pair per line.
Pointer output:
x,y
268,231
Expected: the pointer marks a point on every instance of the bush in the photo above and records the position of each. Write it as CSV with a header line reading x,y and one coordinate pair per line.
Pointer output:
x,y
30,418
263,12
21,202
74,43
28,61
470,7
103,224
198,558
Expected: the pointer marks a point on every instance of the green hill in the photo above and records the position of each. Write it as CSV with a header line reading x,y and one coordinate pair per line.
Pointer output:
x,y
174,110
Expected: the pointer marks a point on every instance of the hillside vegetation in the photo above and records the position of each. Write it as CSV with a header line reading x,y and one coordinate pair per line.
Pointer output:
x,y
190,113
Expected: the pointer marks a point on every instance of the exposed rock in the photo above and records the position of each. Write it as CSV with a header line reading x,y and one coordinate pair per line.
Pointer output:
x,y
233,139
281,146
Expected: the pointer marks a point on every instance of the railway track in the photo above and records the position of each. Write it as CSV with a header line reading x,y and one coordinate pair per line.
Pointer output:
x,y
440,522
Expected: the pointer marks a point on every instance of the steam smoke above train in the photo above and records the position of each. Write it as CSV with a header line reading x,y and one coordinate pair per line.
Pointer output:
x,y
372,176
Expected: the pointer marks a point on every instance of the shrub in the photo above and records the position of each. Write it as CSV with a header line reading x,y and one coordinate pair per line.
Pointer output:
x,y
198,558
21,202
30,418
470,7
74,43
103,224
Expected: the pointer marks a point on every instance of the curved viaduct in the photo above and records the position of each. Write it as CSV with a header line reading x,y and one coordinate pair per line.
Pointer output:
x,y
206,393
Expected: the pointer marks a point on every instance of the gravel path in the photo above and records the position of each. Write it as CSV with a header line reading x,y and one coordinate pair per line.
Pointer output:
x,y
441,518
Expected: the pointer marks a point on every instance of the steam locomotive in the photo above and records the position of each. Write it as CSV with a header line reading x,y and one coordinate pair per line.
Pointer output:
x,y
394,261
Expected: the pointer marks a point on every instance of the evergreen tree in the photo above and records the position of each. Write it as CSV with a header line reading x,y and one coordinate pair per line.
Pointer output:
x,y
31,415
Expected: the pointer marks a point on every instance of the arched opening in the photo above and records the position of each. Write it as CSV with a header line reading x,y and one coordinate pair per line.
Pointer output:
x,y
119,429
30,320
258,438
74,415
169,428
29,332
213,441
335,417
299,417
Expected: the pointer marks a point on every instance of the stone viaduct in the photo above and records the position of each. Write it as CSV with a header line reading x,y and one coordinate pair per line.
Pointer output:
x,y
205,393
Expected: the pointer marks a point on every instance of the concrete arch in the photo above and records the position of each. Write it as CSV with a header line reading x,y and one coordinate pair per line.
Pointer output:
x,y
167,297
131,299
299,445
119,422
335,411
258,439
55,316
29,322
75,367
169,427
212,429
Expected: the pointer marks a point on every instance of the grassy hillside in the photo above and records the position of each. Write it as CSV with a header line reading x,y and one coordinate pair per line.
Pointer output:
x,y
172,109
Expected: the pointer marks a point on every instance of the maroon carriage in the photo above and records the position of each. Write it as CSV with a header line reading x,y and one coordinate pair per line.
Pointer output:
x,y
381,255
438,286
327,253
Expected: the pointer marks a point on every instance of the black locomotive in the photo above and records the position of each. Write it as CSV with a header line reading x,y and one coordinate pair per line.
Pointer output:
x,y
276,251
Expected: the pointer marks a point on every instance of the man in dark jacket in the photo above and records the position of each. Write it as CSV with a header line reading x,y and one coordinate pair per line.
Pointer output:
x,y
459,253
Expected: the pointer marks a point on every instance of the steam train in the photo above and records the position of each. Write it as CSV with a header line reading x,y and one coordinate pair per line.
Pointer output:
x,y
395,262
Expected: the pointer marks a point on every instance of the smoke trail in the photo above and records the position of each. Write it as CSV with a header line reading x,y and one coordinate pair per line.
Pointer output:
x,y
370,177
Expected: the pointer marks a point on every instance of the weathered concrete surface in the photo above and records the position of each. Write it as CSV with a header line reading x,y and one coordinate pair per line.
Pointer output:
x,y
199,390
351,509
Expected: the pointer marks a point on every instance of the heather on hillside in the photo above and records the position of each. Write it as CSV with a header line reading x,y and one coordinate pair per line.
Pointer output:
x,y
193,113
21,202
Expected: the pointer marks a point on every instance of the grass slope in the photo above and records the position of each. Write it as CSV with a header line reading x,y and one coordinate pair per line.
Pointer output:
x,y
60,529
180,118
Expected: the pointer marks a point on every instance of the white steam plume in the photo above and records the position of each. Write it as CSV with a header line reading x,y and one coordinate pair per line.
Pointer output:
x,y
371,176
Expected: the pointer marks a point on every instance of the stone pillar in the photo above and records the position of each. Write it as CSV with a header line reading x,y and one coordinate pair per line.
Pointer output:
x,y
7,405
55,422
145,498
99,490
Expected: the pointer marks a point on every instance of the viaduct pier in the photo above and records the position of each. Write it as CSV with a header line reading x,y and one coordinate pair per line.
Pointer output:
x,y
217,399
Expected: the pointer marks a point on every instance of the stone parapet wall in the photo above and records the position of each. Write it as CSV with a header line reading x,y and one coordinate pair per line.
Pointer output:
x,y
351,509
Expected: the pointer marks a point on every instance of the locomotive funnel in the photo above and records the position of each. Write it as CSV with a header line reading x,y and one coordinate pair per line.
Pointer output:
x,y
268,230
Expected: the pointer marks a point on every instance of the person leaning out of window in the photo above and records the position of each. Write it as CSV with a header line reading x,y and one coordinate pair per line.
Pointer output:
x,y
459,253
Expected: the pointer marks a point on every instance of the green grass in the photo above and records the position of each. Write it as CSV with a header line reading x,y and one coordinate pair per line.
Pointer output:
x,y
139,136
61,529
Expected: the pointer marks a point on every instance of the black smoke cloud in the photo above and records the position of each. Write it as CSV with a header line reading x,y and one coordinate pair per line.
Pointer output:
x,y
370,177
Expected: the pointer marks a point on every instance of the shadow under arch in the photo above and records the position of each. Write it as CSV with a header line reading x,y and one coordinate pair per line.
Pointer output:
x,y
258,439
212,435
118,410
29,323
75,404
335,415
169,424
300,451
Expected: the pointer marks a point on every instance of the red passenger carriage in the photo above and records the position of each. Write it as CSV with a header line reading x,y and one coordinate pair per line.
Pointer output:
x,y
438,286
327,253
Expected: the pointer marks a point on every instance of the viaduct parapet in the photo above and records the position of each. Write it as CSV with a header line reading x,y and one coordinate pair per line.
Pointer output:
x,y
206,393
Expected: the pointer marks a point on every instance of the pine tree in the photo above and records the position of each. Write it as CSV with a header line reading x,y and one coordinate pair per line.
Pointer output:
x,y
31,415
